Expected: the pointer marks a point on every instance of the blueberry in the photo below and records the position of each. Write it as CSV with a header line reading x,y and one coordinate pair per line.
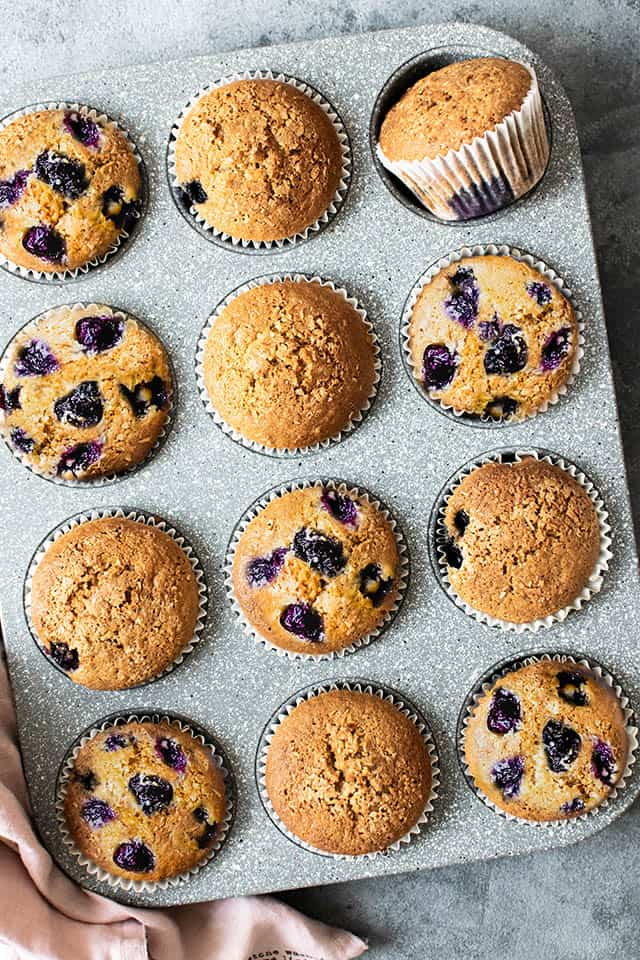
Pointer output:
x,y
508,353
120,211
507,774
561,745
9,399
372,584
21,440
35,359
151,792
171,753
501,408
44,242
12,190
150,393
200,814
462,304
195,192
573,806
342,508
603,762
438,366
303,621
88,780
570,688
264,570
97,813
208,835
135,856
97,334
115,741
453,555
540,292
505,713
82,407
66,176
461,521
65,656
490,329
322,553
80,457
555,349
82,128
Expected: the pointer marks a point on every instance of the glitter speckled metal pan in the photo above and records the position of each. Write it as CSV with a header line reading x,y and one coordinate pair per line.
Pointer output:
x,y
404,451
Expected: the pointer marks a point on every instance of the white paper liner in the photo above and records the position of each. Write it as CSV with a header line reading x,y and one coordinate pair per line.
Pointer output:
x,y
516,663
334,205
139,517
106,479
594,582
360,686
286,452
59,276
92,868
356,493
516,151
445,262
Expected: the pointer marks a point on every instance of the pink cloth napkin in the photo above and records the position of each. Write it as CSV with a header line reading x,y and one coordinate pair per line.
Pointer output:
x,y
45,916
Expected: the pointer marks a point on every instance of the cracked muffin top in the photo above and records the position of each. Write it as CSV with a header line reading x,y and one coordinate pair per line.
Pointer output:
x,y
547,741
113,602
348,773
258,159
69,187
524,539
289,364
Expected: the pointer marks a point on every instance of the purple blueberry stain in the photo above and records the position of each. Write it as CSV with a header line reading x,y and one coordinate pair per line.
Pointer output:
x,y
10,400
195,192
481,198
35,359
462,304
87,780
65,656
505,712
555,348
21,440
561,745
82,407
572,806
97,334
97,813
115,741
264,570
65,176
44,242
438,366
121,212
507,775
373,585
171,753
508,353
571,688
603,762
303,621
80,457
500,408
341,508
323,554
12,190
145,396
540,292
82,128
134,856
152,793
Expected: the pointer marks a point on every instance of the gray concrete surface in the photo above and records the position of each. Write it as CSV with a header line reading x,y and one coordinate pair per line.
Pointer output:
x,y
580,902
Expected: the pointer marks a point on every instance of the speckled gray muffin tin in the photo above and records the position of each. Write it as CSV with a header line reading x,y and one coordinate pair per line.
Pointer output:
x,y
403,453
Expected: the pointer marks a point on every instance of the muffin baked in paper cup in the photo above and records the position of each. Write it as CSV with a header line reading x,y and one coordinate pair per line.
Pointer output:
x,y
359,686
60,276
488,172
496,673
356,493
99,481
264,246
484,250
286,452
439,537
139,517
66,769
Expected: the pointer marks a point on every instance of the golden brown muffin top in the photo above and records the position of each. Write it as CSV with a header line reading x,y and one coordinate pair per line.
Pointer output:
x,y
258,159
451,106
348,772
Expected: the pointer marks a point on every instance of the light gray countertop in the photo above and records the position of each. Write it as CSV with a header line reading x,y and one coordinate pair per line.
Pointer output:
x,y
578,902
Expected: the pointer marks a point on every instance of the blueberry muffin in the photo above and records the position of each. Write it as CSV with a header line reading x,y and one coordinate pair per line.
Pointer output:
x,y
547,741
490,337
289,364
70,186
316,570
348,773
258,160
86,392
145,801
524,539
113,602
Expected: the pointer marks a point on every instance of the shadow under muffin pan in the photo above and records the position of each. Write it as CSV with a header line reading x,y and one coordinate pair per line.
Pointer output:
x,y
404,77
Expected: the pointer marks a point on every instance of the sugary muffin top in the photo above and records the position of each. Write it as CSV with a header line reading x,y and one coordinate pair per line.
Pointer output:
x,y
547,741
69,186
524,539
258,159
451,106
348,773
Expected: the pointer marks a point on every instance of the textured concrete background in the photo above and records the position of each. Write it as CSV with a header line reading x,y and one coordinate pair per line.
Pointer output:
x,y
580,902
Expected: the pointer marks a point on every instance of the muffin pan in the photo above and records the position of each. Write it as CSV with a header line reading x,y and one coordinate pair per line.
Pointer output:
x,y
404,451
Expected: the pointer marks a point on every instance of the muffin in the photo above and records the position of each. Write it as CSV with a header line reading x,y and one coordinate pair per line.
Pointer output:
x,y
524,539
469,138
317,570
289,364
114,602
145,801
348,773
491,337
258,160
70,187
547,741
85,392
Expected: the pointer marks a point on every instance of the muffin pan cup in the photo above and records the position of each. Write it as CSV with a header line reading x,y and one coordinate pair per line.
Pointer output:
x,y
139,517
344,489
438,537
124,238
480,250
500,670
286,452
91,868
237,244
361,686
